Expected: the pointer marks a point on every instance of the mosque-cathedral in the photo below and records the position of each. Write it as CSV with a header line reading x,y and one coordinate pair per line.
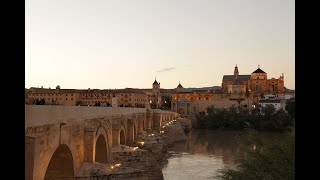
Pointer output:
x,y
257,82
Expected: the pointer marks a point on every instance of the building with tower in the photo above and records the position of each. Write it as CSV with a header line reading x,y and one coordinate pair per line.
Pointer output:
x,y
257,82
155,98
179,88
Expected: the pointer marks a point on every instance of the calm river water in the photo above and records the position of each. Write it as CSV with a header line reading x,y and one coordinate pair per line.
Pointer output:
x,y
206,151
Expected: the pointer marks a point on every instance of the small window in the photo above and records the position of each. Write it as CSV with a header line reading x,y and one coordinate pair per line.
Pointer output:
x,y
71,99
66,94
66,99
71,94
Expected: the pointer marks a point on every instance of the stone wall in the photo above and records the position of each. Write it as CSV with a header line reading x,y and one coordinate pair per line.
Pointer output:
x,y
36,115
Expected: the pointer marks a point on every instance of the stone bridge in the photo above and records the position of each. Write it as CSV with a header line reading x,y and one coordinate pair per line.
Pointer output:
x,y
59,139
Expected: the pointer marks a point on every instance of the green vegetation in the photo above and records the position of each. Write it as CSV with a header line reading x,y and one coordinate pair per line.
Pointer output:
x,y
260,118
39,102
264,162
166,103
290,107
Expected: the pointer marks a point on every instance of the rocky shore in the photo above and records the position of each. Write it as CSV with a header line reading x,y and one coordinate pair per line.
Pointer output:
x,y
143,160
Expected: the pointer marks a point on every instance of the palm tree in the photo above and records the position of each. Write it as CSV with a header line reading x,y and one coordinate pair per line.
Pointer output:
x,y
247,96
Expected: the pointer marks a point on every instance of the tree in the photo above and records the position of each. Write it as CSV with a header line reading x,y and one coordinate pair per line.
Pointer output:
x,y
290,107
261,118
256,110
201,120
166,102
78,103
42,102
282,120
267,162
268,110
239,102
247,95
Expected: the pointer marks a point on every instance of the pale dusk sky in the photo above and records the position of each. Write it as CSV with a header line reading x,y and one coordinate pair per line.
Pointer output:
x,y
107,44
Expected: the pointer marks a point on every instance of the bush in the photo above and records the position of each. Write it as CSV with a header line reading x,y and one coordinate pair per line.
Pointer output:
x,y
261,118
267,163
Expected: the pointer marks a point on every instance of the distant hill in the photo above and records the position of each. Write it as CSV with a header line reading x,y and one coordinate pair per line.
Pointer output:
x,y
290,90
202,88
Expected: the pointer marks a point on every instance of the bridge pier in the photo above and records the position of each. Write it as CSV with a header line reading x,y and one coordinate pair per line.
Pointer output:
x,y
141,124
156,121
89,145
118,135
149,116
130,132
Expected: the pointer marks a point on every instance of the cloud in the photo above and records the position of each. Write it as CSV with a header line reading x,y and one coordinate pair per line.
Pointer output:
x,y
166,69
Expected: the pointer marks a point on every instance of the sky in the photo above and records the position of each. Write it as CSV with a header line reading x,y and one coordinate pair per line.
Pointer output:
x,y
113,44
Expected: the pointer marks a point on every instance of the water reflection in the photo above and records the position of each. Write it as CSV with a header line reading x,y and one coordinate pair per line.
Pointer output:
x,y
206,151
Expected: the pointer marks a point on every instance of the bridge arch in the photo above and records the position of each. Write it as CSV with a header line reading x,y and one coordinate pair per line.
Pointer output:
x,y
102,145
61,165
135,128
122,137
119,133
141,125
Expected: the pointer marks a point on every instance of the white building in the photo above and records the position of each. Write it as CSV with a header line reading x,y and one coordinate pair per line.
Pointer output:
x,y
276,102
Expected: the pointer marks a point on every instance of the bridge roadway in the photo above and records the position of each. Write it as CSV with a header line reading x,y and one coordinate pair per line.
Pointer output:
x,y
58,139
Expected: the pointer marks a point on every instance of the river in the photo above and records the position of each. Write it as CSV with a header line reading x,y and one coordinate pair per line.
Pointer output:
x,y
207,151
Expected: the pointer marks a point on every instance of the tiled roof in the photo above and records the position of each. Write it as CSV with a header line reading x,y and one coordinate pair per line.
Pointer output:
x,y
237,82
155,82
239,77
258,71
166,90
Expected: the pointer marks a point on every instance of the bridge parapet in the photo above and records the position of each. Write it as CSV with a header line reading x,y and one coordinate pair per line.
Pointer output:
x,y
36,115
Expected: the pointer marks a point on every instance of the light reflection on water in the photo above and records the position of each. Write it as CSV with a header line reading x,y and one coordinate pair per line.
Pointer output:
x,y
204,153
190,167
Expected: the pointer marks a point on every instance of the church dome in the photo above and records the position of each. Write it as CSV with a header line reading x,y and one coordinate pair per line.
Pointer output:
x,y
258,70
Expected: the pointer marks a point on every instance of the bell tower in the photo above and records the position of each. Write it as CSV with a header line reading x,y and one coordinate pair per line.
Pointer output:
x,y
236,71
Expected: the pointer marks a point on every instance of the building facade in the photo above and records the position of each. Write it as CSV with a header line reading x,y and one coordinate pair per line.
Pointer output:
x,y
88,97
257,82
